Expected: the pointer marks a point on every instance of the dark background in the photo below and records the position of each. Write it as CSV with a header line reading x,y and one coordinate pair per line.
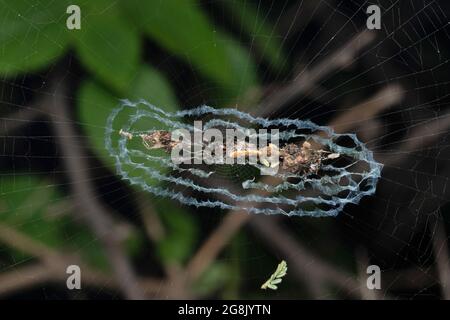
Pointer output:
x,y
61,202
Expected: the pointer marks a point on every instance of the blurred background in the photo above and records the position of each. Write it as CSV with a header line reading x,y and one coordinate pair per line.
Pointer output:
x,y
62,204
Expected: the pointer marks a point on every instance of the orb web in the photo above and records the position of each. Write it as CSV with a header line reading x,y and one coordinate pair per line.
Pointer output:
x,y
345,177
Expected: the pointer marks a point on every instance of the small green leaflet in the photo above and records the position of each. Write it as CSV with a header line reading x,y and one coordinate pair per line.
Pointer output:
x,y
275,278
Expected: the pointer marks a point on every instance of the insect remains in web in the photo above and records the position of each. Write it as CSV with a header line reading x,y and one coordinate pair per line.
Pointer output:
x,y
295,158
228,159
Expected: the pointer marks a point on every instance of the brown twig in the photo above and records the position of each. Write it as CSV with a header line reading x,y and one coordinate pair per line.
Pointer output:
x,y
18,119
306,80
89,207
421,136
23,278
218,239
25,244
278,238
366,110
440,250
53,266
152,223
41,273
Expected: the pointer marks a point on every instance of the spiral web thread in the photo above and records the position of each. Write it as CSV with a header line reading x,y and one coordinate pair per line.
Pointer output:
x,y
320,195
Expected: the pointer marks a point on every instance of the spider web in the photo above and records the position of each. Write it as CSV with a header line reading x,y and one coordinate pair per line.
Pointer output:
x,y
390,87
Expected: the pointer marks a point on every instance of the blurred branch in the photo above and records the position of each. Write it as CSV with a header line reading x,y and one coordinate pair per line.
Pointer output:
x,y
218,239
90,208
24,278
53,268
307,267
440,250
18,119
40,273
310,78
25,244
153,225
422,135
156,232
365,111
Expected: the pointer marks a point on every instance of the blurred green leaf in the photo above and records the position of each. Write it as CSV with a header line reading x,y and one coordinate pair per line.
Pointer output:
x,y
153,87
38,210
254,22
110,48
32,34
242,64
214,278
181,27
182,232
96,7
95,105
134,242
236,250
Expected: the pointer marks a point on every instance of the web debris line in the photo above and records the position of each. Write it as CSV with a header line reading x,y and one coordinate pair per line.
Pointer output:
x,y
324,195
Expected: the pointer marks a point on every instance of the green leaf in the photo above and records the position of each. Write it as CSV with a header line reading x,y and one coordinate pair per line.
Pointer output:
x,y
110,48
153,87
276,277
38,210
134,241
242,65
182,232
214,278
182,28
33,34
97,7
254,22
95,105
